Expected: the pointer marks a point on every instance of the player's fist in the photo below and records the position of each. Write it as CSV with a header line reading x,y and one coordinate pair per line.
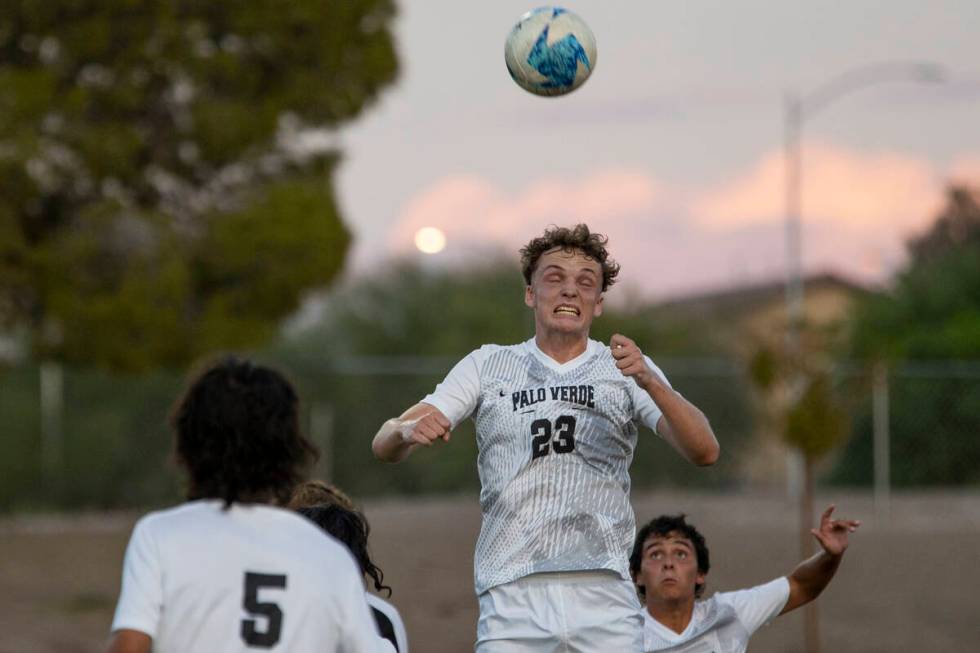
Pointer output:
x,y
630,360
426,429
832,533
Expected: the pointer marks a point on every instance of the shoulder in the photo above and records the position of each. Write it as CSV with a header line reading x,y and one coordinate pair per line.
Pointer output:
x,y
759,592
297,528
480,355
182,515
488,350
597,348
756,605
498,353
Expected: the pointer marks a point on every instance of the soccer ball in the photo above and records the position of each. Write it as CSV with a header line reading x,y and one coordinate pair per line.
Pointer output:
x,y
550,51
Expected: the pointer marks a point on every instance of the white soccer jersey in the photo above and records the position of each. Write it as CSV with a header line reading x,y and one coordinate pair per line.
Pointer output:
x,y
555,445
389,622
722,624
201,579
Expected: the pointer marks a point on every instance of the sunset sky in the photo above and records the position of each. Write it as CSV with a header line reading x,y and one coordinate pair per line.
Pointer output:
x,y
674,146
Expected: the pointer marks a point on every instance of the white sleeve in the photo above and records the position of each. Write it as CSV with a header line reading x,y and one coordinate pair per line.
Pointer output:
x,y
458,394
400,635
758,605
360,631
645,409
141,597
390,612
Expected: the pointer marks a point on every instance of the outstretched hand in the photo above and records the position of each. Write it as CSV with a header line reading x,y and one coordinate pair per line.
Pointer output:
x,y
832,533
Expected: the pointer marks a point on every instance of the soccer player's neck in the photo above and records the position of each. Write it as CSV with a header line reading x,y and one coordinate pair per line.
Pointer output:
x,y
561,346
674,614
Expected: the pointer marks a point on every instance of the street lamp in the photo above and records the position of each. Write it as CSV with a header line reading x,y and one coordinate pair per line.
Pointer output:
x,y
797,110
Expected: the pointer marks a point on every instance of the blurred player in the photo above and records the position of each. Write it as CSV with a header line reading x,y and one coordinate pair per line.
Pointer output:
x,y
350,527
316,492
229,571
669,564
556,421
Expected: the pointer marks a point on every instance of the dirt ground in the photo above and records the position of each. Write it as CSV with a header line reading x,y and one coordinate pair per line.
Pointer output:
x,y
907,584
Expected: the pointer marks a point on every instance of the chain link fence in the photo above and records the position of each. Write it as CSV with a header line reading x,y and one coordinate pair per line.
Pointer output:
x,y
77,438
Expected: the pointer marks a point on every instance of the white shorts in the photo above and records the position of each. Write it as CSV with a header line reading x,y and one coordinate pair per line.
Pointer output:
x,y
568,612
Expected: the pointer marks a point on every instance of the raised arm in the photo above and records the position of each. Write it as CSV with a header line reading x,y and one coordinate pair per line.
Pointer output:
x,y
422,424
812,575
682,424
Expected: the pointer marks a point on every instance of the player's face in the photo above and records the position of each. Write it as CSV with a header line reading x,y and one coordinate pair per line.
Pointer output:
x,y
669,568
565,292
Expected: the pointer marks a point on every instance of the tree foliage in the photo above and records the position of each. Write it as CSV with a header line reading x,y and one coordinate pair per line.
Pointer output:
x,y
157,198
931,314
933,308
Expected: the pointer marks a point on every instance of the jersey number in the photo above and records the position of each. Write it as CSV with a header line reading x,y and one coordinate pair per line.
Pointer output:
x,y
541,436
271,612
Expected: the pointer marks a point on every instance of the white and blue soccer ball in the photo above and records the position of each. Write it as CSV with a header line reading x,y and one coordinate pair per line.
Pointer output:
x,y
550,51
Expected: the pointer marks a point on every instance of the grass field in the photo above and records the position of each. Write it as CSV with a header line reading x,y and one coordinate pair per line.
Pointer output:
x,y
908,585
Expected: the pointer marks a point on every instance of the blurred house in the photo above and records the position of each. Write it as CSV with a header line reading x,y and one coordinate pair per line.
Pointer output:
x,y
741,320
747,314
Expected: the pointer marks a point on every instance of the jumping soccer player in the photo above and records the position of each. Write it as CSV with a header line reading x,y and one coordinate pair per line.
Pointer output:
x,y
669,564
228,570
556,428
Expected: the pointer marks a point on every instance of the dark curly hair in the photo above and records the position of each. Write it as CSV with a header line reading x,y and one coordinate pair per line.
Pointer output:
x,y
316,492
237,434
351,528
569,239
663,526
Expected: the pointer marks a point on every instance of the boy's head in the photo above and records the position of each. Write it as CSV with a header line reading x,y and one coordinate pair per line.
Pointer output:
x,y
237,434
669,559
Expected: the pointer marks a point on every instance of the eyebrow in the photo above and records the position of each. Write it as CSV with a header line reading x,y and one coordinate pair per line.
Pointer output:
x,y
659,542
556,266
552,266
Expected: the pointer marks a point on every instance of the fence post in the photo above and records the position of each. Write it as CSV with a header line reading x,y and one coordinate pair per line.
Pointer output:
x,y
321,430
882,454
51,398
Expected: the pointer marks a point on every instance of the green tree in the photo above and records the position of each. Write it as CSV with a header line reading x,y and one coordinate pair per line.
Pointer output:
x,y
931,313
157,196
798,399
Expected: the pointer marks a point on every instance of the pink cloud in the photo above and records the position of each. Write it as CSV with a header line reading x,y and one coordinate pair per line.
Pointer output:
x,y
966,170
859,208
471,210
847,188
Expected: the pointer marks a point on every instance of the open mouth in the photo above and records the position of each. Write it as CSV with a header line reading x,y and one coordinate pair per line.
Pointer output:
x,y
566,309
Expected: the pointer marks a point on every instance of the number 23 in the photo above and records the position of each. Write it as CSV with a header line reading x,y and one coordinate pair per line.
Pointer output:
x,y
541,436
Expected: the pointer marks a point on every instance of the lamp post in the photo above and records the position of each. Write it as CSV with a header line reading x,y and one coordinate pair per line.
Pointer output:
x,y
797,110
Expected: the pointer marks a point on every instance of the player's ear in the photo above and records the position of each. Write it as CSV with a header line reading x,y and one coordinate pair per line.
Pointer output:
x,y
529,295
597,309
637,583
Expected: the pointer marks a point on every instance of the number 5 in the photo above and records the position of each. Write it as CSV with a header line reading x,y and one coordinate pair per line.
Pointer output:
x,y
273,614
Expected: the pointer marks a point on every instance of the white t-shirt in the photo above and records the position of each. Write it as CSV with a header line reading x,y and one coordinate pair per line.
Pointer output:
x,y
555,445
389,613
201,579
722,624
